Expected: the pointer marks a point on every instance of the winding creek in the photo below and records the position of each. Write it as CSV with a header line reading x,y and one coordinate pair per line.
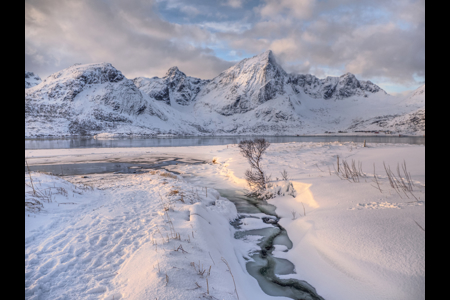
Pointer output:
x,y
265,267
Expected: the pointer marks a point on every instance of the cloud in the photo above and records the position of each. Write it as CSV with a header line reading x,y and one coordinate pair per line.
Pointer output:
x,y
299,9
234,3
373,39
356,36
130,35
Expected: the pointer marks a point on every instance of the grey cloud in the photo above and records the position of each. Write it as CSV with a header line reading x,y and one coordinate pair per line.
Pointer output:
x,y
130,35
358,38
373,39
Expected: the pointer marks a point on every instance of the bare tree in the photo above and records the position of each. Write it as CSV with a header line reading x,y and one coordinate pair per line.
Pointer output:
x,y
253,151
284,175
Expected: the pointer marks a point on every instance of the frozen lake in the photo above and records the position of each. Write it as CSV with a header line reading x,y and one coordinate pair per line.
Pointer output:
x,y
204,141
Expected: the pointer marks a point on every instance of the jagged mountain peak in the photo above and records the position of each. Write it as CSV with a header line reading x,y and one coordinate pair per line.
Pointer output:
x,y
174,72
246,85
174,88
267,56
95,73
348,74
262,62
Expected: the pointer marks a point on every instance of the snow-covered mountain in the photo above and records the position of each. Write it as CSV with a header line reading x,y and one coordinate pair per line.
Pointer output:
x,y
244,86
173,88
259,79
256,96
92,98
411,122
31,79
333,87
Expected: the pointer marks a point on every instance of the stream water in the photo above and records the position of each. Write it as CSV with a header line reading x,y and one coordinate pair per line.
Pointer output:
x,y
265,267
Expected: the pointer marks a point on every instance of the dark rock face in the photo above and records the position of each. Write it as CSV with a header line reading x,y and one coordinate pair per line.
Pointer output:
x,y
173,88
332,87
31,79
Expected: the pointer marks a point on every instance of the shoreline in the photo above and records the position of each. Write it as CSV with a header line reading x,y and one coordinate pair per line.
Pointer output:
x,y
218,136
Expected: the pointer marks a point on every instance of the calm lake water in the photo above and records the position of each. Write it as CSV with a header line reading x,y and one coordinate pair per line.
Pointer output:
x,y
204,141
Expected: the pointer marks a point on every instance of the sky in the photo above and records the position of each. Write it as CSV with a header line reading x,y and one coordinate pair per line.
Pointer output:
x,y
382,41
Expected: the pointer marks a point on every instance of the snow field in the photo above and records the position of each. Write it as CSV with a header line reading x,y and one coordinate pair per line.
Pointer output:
x,y
122,239
354,242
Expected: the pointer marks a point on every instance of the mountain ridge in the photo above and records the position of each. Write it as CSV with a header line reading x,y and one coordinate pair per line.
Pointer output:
x,y
255,96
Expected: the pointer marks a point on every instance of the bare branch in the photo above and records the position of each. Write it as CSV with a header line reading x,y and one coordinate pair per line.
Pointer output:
x,y
253,151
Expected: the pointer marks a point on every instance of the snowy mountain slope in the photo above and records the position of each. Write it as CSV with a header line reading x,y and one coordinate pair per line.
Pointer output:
x,y
332,87
416,99
173,88
411,122
31,79
87,99
256,96
244,86
259,79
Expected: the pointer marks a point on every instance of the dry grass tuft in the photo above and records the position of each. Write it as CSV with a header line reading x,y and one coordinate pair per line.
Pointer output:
x,y
402,183
168,175
199,268
174,192
229,269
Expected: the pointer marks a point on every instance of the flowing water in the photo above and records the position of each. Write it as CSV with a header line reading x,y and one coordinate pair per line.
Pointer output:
x,y
265,267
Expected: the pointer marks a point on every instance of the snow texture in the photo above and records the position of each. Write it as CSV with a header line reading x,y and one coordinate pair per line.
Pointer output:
x,y
350,240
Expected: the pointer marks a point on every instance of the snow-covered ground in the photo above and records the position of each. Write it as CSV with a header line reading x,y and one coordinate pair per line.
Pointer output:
x,y
354,242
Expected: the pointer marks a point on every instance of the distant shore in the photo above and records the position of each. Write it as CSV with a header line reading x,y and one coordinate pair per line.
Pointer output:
x,y
225,136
